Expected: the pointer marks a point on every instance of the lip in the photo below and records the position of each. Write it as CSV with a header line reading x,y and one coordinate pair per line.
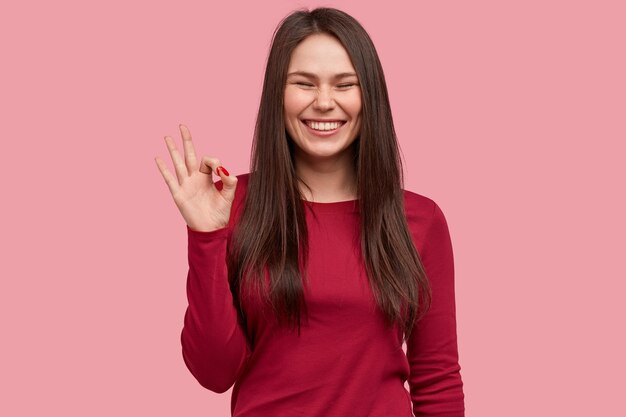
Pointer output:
x,y
324,120
324,133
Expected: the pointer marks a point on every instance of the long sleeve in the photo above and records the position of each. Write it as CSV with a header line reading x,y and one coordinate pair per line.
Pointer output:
x,y
435,380
214,345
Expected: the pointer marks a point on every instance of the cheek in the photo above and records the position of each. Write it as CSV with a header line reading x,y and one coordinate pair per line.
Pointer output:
x,y
295,102
353,105
291,109
356,112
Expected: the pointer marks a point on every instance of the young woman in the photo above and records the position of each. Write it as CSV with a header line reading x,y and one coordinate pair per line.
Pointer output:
x,y
307,274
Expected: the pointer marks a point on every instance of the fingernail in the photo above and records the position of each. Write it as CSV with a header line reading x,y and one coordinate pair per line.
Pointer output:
x,y
223,170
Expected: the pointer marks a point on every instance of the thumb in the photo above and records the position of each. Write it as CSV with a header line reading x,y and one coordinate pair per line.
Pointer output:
x,y
229,183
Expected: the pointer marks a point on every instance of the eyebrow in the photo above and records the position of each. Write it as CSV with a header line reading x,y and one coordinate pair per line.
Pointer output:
x,y
311,75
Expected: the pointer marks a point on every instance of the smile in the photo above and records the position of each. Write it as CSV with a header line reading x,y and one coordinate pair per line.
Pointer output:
x,y
323,128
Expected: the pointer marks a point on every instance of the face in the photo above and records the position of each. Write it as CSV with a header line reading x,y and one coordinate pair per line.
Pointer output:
x,y
322,106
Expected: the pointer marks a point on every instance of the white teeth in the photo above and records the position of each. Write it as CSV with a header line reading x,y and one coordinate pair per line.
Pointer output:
x,y
322,125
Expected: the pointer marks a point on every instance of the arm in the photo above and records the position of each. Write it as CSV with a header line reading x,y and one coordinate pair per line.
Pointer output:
x,y
214,345
435,379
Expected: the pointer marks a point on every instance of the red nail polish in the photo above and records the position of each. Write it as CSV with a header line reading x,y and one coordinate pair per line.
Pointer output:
x,y
224,170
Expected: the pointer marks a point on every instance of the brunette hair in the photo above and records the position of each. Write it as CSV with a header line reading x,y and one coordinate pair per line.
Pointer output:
x,y
271,236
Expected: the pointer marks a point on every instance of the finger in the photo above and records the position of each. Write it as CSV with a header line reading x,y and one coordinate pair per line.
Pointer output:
x,y
190,153
209,165
171,182
229,182
179,164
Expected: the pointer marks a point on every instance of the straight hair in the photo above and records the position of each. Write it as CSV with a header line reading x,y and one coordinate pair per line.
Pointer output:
x,y
268,251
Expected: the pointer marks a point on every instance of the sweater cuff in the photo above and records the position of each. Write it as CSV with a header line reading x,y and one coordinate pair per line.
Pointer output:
x,y
207,236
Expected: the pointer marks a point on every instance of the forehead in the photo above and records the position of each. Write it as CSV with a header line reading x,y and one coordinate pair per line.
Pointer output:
x,y
320,54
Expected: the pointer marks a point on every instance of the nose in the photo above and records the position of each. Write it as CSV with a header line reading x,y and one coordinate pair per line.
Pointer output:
x,y
324,100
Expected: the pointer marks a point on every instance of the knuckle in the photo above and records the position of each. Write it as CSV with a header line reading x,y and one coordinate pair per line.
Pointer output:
x,y
209,159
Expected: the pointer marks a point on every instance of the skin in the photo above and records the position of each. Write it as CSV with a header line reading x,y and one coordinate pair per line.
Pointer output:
x,y
202,205
324,163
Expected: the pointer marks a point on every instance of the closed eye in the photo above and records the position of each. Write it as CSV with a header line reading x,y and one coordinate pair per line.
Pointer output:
x,y
340,86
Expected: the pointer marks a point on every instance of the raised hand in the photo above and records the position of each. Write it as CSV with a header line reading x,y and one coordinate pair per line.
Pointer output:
x,y
203,206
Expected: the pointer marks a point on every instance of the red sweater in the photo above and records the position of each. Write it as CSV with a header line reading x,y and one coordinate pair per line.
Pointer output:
x,y
346,362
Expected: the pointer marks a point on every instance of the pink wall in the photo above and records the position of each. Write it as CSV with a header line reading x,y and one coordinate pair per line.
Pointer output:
x,y
511,115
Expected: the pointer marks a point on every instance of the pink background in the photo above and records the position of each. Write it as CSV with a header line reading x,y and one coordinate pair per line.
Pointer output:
x,y
511,115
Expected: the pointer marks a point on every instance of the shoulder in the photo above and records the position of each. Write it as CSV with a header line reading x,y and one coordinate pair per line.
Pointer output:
x,y
242,185
422,214
418,208
243,178
240,192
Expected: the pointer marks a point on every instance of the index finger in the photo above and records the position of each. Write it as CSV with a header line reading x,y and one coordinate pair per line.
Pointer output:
x,y
190,153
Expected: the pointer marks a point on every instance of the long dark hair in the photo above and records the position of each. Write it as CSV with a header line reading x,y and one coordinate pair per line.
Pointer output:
x,y
271,236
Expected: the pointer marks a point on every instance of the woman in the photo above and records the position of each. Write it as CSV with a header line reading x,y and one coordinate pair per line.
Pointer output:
x,y
307,274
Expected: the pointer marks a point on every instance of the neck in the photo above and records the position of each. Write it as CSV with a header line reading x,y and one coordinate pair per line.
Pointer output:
x,y
333,179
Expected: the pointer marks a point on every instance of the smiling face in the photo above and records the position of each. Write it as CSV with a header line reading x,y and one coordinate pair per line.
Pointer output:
x,y
322,107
